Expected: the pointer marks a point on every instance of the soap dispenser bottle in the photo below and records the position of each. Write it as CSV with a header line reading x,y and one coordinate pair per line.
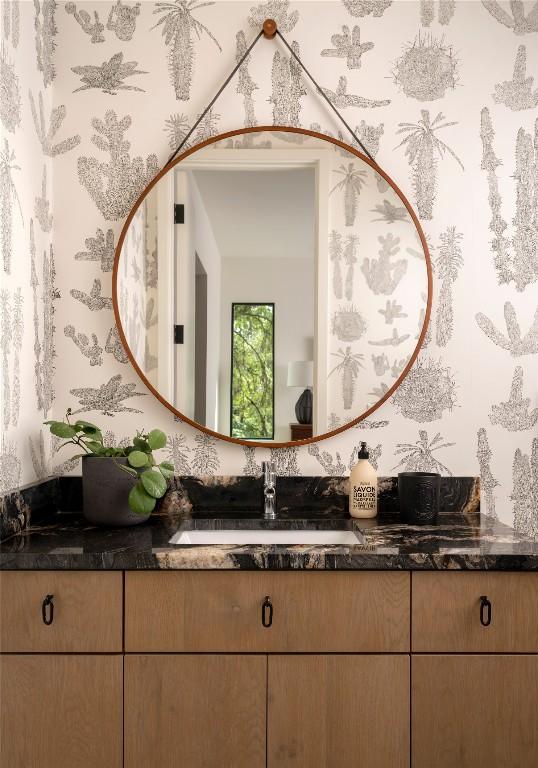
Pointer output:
x,y
363,487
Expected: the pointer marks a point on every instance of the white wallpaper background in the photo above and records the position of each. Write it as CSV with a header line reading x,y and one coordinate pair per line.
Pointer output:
x,y
26,248
456,82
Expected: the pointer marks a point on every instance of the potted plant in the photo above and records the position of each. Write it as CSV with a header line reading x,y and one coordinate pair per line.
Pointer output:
x,y
120,486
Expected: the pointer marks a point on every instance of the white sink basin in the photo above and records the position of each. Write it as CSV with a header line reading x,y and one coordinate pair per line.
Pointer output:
x,y
284,537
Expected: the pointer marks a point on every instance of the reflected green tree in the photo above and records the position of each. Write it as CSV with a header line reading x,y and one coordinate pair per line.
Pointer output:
x,y
252,385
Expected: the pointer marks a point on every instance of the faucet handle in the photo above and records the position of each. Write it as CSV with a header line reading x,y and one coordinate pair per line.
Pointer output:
x,y
269,471
269,489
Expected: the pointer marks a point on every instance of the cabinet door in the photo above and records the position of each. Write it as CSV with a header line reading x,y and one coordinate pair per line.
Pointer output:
x,y
61,711
475,711
338,711
204,711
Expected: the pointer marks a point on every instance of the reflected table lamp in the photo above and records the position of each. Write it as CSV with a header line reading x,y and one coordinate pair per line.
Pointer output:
x,y
301,374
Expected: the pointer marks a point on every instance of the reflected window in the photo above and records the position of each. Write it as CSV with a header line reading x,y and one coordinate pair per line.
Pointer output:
x,y
252,371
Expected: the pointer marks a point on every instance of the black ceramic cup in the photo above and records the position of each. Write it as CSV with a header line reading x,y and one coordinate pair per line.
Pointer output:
x,y
419,497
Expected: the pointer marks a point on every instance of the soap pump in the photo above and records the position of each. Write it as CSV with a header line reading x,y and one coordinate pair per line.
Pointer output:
x,y
363,487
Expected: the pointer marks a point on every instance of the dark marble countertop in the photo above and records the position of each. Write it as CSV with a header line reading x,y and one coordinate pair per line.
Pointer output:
x,y
464,541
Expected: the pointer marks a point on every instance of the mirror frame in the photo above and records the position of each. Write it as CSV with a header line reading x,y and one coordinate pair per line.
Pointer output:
x,y
115,300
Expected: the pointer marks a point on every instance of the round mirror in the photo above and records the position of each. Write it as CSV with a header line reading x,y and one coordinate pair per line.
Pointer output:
x,y
272,285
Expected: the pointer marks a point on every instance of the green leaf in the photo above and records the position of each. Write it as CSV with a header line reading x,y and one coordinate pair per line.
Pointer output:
x,y
126,468
137,459
60,429
167,469
156,439
140,501
94,446
141,445
87,427
154,483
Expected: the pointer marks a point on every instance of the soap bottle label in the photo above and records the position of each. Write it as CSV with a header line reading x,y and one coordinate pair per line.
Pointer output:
x,y
364,496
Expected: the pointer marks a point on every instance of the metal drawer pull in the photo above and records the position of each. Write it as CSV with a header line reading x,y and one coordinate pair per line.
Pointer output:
x,y
267,612
47,610
485,611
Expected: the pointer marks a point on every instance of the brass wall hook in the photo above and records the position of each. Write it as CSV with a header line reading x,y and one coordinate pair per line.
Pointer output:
x,y
269,28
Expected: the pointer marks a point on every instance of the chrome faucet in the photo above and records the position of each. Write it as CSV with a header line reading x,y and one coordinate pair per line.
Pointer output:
x,y
269,490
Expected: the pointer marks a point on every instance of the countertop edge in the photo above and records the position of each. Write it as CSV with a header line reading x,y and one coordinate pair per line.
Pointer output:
x,y
285,561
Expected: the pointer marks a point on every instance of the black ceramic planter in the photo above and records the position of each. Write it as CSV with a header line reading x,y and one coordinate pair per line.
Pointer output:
x,y
419,497
105,492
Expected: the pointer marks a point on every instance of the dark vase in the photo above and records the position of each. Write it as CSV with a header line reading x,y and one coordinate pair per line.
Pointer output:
x,y
105,492
419,497
303,408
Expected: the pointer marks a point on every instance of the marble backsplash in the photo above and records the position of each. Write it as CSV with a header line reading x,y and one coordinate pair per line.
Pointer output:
x,y
299,495
307,494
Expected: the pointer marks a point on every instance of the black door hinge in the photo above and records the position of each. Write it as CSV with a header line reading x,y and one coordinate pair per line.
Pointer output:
x,y
179,213
178,334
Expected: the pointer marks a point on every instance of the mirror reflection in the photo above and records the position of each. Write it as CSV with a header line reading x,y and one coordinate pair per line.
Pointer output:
x,y
272,286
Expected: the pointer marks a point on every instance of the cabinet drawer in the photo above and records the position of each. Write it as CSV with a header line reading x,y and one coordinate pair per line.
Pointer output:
x,y
209,611
87,611
447,612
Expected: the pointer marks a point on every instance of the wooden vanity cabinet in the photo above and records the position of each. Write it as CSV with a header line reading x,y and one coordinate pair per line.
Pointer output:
x,y
372,668
61,680
474,670
324,684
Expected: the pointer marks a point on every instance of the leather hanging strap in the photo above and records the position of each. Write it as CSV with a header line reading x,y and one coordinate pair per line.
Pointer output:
x,y
269,31
324,95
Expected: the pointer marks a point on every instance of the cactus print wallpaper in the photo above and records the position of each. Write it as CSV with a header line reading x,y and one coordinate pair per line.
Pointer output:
x,y
96,94
27,259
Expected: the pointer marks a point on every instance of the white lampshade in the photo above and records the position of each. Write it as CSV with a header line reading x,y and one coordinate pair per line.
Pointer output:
x,y
301,373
